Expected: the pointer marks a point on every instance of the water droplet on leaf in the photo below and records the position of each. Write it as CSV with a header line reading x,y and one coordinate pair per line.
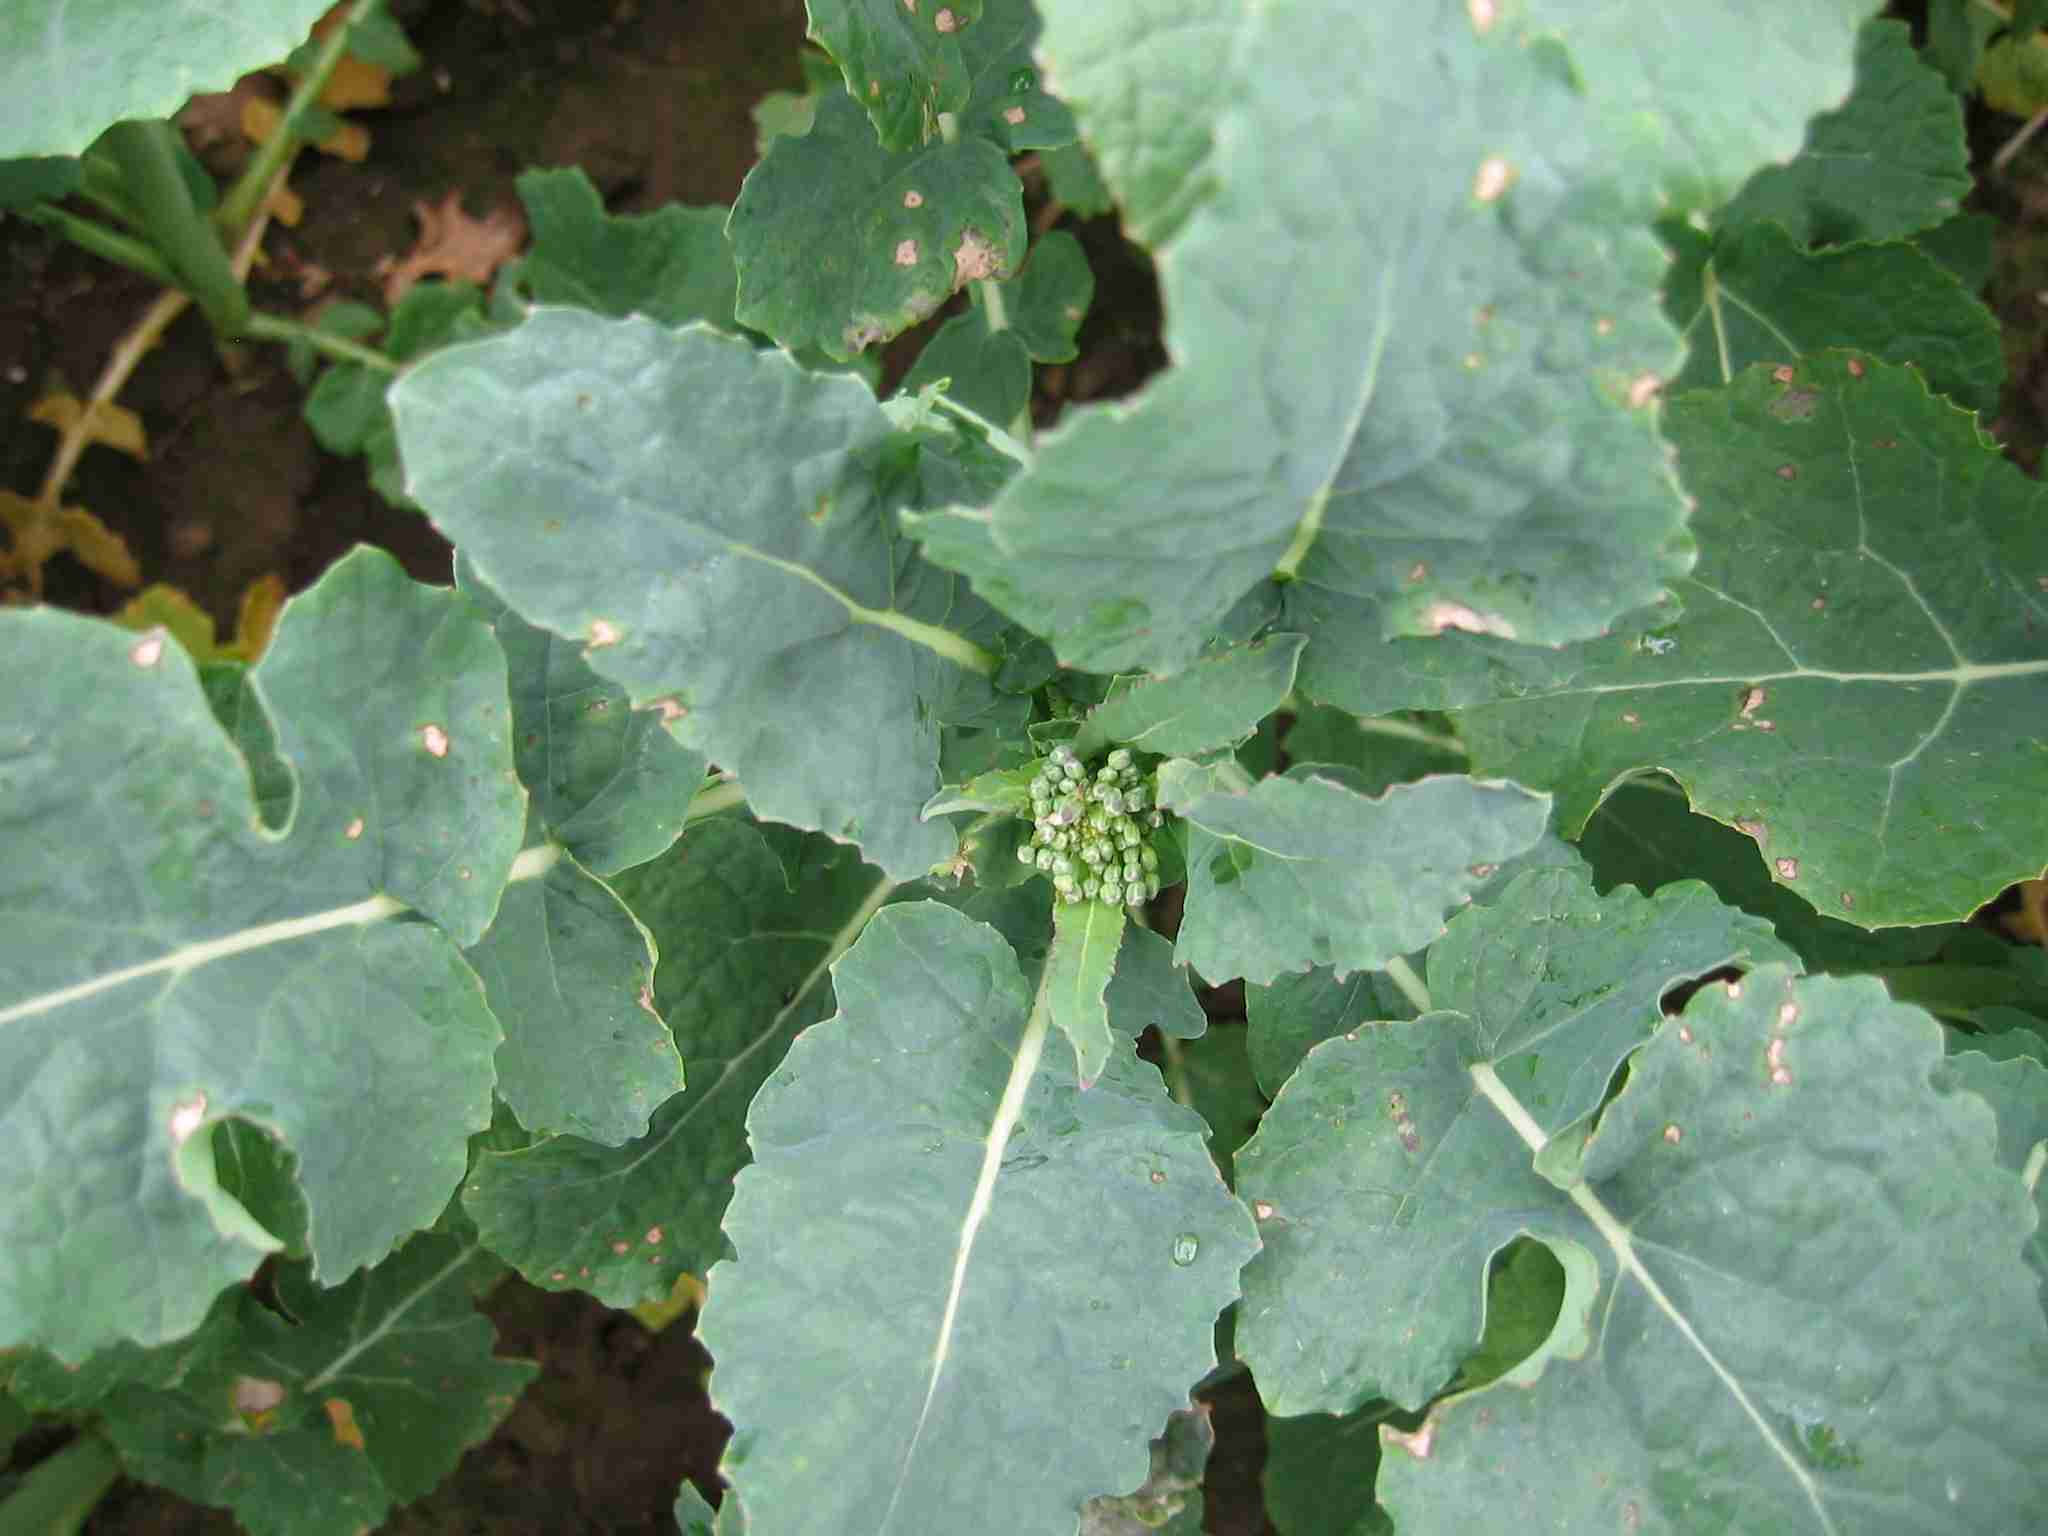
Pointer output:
x,y
1185,1247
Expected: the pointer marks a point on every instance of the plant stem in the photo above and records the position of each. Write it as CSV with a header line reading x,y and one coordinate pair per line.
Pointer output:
x,y
56,1494
146,151
1176,1071
252,187
1410,984
107,244
268,327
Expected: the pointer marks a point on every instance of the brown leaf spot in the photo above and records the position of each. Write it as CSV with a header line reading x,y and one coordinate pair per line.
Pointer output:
x,y
1417,571
1848,899
1014,116
1494,178
1817,604
1684,1035
1484,14
913,199
353,830
1795,405
255,1395
1262,1210
1630,717
653,1235
906,253
1782,1078
1439,617
1643,389
342,1417
435,740
1855,367
1751,702
622,1247
1782,373
149,650
187,1118
1788,869
974,260
1158,1176
1672,1134
603,634
946,21
1603,327
1417,1444
1787,471
1750,827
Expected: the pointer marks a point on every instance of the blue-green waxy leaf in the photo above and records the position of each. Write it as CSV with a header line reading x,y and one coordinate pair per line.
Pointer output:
x,y
902,62
68,68
987,371
1464,436
946,1246
842,243
611,783
566,968
1293,1014
1296,872
1169,1502
1726,1192
2016,1088
1753,296
1860,689
1086,936
672,265
744,941
1217,702
321,1422
1890,161
748,584
1150,991
1547,958
184,964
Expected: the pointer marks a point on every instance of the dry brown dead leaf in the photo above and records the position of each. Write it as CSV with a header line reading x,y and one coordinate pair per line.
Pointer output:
x,y
454,245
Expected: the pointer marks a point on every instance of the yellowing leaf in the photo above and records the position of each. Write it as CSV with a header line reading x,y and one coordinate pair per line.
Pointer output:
x,y
2014,76
355,83
40,529
261,118
162,606
262,601
104,422
687,1292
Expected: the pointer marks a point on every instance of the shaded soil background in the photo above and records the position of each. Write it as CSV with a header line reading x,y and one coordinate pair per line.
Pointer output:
x,y
652,98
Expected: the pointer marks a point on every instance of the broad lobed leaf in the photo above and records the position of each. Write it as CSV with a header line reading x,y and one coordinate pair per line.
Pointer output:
x,y
922,1269
187,964
747,584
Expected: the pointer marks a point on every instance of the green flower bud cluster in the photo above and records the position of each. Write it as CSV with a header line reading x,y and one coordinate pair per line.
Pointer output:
x,y
1089,829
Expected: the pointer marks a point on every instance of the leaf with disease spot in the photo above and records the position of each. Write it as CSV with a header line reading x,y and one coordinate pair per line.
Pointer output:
x,y
1301,871
1858,683
1891,160
944,1245
842,243
748,584
1547,959
1466,436
1725,1193
1217,702
901,59
610,782
672,265
1008,98
184,964
743,945
68,68
1170,1501
988,368
1549,985
1086,936
1752,296
324,1419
